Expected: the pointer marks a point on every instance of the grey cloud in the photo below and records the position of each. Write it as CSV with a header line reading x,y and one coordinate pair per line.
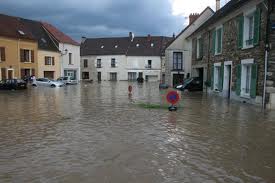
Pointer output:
x,y
100,18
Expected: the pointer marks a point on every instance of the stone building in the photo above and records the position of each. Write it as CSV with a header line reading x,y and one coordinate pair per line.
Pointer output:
x,y
229,51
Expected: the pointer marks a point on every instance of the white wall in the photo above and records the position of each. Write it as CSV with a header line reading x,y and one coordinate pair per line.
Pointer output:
x,y
75,50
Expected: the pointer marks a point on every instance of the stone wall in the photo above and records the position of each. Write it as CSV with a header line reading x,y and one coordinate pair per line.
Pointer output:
x,y
230,50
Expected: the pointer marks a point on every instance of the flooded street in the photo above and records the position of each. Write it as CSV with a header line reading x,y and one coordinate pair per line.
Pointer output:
x,y
97,133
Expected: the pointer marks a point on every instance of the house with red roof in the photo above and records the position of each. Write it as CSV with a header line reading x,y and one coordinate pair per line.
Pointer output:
x,y
70,51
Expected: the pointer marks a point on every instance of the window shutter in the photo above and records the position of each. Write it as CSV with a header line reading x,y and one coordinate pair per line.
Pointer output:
x,y
221,78
33,71
3,73
219,46
253,86
238,80
3,55
257,23
212,77
22,59
32,56
240,33
46,61
214,42
53,61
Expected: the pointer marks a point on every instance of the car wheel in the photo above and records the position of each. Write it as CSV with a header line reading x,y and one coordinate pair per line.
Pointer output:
x,y
53,86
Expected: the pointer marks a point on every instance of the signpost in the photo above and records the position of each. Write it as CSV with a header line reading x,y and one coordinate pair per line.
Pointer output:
x,y
172,97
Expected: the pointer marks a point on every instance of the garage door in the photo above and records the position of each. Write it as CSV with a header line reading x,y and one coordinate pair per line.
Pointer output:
x,y
49,74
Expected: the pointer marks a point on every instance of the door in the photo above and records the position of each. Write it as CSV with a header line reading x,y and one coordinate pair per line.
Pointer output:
x,y
140,75
227,80
10,74
99,76
178,79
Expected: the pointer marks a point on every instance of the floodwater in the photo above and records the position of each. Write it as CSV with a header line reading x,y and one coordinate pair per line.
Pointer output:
x,y
96,133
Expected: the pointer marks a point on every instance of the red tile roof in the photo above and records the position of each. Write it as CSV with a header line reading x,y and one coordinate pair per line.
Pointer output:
x,y
58,35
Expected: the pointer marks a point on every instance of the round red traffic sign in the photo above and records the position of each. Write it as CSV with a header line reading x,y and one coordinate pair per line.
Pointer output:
x,y
130,88
172,97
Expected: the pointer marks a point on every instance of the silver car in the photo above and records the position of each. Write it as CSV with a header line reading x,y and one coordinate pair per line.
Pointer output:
x,y
67,80
47,82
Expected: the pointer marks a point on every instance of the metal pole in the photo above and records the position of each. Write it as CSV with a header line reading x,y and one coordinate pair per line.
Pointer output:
x,y
265,78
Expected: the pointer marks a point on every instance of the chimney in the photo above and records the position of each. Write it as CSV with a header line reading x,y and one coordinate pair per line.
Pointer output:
x,y
131,36
218,4
193,17
149,38
83,39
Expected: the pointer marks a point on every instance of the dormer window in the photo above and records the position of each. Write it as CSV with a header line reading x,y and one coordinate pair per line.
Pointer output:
x,y
137,45
21,32
43,40
102,46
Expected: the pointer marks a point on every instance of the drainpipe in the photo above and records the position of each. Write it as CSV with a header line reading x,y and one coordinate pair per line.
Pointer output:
x,y
208,59
267,49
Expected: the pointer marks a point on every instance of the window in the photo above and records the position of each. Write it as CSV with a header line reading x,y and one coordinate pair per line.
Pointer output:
x,y
49,60
85,63
98,63
249,28
217,78
246,79
70,59
26,55
199,49
113,76
149,64
177,61
217,41
113,62
85,75
2,54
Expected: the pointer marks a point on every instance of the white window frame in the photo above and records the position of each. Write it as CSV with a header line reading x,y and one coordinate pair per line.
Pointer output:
x,y
198,47
71,62
245,63
248,14
216,76
216,43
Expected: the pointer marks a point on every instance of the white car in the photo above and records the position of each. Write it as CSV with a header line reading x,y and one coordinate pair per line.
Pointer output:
x,y
67,80
47,82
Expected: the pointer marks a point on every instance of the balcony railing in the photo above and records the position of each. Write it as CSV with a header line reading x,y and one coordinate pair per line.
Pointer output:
x,y
148,66
98,66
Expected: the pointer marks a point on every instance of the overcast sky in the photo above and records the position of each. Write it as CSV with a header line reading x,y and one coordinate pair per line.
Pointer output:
x,y
103,18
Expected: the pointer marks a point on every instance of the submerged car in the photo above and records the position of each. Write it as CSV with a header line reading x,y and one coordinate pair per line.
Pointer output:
x,y
13,84
191,84
67,80
47,82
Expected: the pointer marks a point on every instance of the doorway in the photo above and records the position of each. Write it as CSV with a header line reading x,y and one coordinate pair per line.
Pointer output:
x,y
178,79
99,76
10,74
227,80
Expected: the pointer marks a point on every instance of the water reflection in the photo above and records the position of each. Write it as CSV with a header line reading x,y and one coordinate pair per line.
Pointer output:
x,y
95,132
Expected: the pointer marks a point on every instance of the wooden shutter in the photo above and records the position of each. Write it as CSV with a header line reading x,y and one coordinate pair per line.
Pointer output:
x,y
214,42
239,78
212,77
33,72
22,59
219,46
221,78
46,61
3,54
257,23
53,61
32,56
253,86
3,73
201,48
240,31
